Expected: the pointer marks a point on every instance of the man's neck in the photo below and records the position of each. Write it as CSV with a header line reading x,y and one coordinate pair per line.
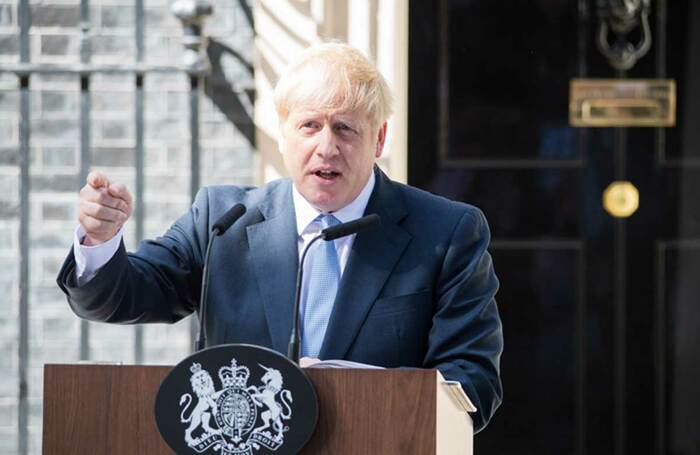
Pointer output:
x,y
306,213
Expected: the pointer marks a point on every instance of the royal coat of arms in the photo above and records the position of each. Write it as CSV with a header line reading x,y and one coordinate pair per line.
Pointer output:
x,y
237,418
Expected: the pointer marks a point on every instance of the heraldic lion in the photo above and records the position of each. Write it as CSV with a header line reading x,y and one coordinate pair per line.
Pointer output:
x,y
203,387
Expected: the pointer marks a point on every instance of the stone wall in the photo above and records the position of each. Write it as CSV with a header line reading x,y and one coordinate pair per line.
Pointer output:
x,y
227,157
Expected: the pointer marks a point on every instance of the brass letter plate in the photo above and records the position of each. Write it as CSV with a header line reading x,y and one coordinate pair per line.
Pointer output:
x,y
622,102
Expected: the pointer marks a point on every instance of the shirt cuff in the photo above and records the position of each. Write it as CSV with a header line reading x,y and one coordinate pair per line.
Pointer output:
x,y
89,259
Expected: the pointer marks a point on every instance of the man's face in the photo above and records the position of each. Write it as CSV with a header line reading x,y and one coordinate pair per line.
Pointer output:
x,y
330,155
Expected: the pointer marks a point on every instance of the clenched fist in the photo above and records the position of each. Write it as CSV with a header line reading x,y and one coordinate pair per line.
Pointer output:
x,y
103,208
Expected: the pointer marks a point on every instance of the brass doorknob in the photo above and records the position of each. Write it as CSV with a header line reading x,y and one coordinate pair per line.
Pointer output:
x,y
621,199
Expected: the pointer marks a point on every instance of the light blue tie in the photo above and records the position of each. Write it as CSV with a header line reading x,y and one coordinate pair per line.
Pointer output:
x,y
323,278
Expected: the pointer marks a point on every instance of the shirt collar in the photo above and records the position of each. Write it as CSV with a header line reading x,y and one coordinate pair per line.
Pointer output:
x,y
306,213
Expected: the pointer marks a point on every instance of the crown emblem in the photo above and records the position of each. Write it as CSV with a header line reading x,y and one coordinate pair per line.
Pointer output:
x,y
234,376
195,368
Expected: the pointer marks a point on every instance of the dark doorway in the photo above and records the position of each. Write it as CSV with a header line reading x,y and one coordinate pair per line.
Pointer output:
x,y
601,314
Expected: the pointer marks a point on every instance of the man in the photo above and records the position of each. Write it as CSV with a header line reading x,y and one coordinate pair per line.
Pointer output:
x,y
416,292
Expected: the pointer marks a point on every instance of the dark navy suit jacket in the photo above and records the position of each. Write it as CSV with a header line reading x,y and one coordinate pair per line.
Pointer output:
x,y
416,292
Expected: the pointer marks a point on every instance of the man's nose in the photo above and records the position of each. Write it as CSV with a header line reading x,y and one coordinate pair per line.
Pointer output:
x,y
327,143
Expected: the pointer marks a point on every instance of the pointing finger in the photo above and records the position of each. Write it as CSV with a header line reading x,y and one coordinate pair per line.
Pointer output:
x,y
97,179
102,197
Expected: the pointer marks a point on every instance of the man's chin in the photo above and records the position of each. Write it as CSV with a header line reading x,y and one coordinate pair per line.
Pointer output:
x,y
327,206
326,202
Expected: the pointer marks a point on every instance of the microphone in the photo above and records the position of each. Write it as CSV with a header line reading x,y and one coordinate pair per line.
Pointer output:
x,y
218,228
351,227
228,218
328,234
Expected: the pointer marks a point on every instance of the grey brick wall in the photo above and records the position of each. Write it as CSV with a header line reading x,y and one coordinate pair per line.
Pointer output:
x,y
226,157
9,203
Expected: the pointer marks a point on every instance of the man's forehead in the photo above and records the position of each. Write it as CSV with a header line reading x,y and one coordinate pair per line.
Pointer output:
x,y
330,113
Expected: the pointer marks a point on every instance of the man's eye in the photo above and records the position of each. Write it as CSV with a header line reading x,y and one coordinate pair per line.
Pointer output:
x,y
343,127
309,124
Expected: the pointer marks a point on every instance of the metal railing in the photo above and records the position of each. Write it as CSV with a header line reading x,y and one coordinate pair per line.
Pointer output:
x,y
196,65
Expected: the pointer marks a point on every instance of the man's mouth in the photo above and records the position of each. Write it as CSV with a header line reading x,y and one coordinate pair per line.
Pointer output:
x,y
327,175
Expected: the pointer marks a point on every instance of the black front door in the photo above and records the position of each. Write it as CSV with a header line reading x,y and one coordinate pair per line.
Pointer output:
x,y
601,314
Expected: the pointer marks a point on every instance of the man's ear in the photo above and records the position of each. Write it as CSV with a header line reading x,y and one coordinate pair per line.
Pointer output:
x,y
381,139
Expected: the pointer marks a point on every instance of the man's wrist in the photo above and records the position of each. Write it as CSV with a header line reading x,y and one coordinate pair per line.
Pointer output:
x,y
89,241
89,256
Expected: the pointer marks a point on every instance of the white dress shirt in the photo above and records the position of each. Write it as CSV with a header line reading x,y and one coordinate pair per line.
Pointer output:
x,y
307,228
89,259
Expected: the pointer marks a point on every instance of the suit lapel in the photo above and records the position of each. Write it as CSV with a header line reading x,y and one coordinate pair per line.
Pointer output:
x,y
275,258
373,257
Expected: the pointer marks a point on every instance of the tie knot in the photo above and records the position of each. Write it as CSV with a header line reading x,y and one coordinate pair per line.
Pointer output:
x,y
327,220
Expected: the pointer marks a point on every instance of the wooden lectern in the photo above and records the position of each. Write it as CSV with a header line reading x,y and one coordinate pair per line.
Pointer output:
x,y
108,409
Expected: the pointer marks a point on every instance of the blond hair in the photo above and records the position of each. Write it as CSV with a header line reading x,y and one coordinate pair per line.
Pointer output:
x,y
336,77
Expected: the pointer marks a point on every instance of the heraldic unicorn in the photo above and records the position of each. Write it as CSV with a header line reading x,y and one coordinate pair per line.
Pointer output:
x,y
225,420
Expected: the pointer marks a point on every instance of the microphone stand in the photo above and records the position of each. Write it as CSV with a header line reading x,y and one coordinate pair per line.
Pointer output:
x,y
220,226
294,348
202,335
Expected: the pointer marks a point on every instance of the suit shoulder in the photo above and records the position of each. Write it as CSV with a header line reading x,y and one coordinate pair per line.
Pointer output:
x,y
226,195
430,205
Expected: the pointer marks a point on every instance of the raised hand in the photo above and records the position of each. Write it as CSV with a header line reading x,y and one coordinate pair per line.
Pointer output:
x,y
103,208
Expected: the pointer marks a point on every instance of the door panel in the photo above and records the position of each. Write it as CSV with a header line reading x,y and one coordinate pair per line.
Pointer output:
x,y
601,315
541,339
